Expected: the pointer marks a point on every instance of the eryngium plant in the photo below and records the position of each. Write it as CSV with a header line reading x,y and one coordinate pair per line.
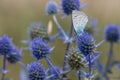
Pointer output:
x,y
84,59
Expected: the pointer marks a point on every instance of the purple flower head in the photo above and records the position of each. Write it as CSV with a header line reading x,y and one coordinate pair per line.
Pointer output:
x,y
39,48
14,56
112,33
5,45
86,43
51,7
69,5
36,71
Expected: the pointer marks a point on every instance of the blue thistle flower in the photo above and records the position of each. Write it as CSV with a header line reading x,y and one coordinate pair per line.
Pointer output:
x,y
112,33
14,56
36,71
86,43
39,48
5,45
51,7
69,5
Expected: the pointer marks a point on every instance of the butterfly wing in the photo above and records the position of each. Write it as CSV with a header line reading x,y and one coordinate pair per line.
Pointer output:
x,y
50,27
80,20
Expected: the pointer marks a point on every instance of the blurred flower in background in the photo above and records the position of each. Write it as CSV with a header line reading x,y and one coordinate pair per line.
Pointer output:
x,y
51,7
112,33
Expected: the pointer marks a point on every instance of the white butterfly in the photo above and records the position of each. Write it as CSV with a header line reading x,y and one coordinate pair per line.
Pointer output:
x,y
80,20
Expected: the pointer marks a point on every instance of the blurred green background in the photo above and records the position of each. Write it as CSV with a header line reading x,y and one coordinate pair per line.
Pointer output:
x,y
17,15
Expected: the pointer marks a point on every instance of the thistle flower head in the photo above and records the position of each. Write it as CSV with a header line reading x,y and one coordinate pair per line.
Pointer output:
x,y
5,45
36,71
39,48
69,5
75,59
37,29
112,33
86,43
14,56
51,7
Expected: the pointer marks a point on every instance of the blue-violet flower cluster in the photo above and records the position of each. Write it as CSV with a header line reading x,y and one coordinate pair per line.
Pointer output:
x,y
86,43
112,33
36,71
6,45
69,5
39,48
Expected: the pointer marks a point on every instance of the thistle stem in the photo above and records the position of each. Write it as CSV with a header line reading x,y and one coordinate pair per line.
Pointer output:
x,y
22,64
89,65
110,55
110,58
50,64
79,78
67,49
54,36
59,27
4,68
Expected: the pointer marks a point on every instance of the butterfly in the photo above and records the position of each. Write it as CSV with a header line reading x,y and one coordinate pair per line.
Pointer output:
x,y
80,20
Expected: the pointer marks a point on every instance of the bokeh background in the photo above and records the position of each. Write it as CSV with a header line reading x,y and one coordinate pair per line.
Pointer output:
x,y
17,15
